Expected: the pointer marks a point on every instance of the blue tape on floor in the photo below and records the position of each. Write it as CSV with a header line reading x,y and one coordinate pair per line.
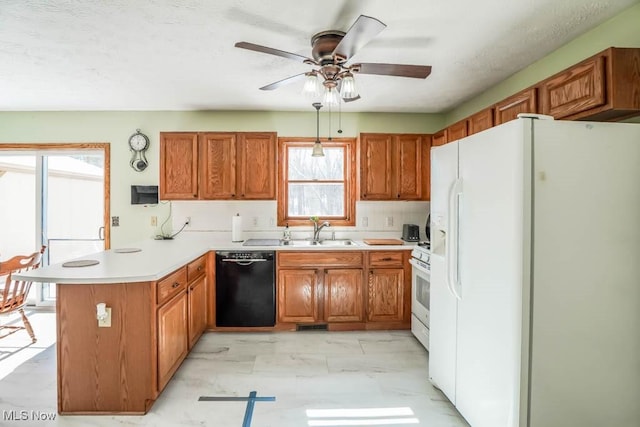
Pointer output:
x,y
251,400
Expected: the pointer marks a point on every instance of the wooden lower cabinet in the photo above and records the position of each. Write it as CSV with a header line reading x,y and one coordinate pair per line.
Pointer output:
x,y
319,296
332,288
197,299
297,296
123,368
343,295
385,291
173,344
320,287
388,288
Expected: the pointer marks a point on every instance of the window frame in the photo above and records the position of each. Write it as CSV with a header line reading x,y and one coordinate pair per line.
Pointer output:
x,y
350,184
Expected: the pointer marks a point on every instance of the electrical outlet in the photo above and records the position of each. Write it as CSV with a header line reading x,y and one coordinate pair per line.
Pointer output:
x,y
115,221
106,323
154,221
389,221
365,221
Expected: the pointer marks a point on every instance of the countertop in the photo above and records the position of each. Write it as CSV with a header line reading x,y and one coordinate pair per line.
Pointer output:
x,y
157,258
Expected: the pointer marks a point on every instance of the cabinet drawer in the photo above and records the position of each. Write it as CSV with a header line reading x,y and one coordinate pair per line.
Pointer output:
x,y
386,259
196,268
319,259
171,285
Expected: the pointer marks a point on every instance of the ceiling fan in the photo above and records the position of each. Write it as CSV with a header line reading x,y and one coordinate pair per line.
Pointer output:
x,y
331,50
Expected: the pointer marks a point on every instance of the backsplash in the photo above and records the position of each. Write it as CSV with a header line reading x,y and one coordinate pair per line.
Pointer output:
x,y
374,219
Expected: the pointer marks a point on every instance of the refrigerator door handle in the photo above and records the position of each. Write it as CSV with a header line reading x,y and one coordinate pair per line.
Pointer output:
x,y
452,240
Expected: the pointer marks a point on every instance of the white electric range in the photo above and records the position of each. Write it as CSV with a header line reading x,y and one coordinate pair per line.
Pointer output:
x,y
420,292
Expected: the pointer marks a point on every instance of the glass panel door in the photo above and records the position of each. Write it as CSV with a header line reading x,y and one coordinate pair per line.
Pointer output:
x,y
18,231
51,198
73,208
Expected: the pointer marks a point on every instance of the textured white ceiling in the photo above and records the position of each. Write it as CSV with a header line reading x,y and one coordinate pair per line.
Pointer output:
x,y
180,54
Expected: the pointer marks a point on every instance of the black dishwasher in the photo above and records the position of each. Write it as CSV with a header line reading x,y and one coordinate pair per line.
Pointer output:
x,y
245,289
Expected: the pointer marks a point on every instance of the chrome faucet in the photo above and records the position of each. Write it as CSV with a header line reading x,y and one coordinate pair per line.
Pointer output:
x,y
317,228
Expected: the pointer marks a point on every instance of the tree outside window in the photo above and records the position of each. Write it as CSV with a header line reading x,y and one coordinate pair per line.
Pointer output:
x,y
316,186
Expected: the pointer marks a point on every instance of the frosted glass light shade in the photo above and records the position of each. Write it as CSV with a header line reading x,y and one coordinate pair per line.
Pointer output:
x,y
317,150
312,86
348,89
331,96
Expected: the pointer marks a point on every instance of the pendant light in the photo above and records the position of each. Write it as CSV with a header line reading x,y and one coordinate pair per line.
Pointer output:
x,y
317,146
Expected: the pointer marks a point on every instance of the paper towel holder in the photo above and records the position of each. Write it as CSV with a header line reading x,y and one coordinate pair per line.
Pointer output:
x,y
236,231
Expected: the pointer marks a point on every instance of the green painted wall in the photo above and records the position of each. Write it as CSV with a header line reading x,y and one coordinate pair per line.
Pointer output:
x,y
622,30
116,127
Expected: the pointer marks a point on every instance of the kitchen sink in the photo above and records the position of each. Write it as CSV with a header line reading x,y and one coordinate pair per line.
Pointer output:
x,y
305,242
295,242
337,242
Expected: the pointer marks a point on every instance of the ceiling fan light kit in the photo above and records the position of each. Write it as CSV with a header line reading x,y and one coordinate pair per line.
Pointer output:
x,y
331,50
312,85
331,96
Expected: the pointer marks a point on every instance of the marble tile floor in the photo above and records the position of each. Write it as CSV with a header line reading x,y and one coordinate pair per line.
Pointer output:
x,y
375,378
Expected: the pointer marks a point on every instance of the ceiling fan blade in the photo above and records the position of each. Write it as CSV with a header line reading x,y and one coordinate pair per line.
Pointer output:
x,y
288,80
361,32
399,70
272,51
351,99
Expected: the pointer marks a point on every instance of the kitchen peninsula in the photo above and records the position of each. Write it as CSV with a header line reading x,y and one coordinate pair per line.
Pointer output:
x,y
160,299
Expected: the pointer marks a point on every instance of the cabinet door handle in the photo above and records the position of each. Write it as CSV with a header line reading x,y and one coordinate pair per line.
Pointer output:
x,y
199,268
387,259
175,285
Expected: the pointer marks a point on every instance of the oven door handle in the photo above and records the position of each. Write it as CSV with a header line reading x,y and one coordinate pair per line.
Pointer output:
x,y
418,265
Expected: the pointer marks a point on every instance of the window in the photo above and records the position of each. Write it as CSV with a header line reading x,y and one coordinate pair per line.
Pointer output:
x,y
316,186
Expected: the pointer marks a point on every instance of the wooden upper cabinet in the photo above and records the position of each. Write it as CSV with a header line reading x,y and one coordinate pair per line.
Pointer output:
x,y
480,121
218,165
439,138
579,88
522,102
457,131
391,166
376,166
178,165
408,167
603,87
257,171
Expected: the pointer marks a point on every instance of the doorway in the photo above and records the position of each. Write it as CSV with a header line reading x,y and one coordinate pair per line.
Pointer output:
x,y
55,195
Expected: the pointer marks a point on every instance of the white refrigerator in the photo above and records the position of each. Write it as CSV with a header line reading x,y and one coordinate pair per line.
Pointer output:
x,y
535,274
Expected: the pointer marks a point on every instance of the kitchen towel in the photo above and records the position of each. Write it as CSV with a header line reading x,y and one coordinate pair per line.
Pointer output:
x,y
236,228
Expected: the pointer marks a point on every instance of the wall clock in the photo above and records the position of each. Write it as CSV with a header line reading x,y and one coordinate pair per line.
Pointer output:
x,y
138,144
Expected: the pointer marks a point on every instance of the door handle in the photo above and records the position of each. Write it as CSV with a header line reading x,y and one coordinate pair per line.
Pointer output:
x,y
101,233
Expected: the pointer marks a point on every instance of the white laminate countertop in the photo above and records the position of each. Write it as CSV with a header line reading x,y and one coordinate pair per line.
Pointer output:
x,y
158,258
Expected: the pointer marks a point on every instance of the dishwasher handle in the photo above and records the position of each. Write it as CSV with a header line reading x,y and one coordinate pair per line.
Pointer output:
x,y
244,261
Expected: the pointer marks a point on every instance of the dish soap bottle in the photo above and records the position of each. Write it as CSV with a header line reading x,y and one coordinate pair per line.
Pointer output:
x,y
286,234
